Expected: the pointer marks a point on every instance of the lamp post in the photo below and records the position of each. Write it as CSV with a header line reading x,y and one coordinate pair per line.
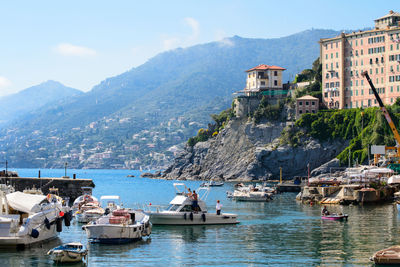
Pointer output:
x,y
66,164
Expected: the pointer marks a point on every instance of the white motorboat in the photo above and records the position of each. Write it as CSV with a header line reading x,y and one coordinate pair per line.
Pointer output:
x,y
26,219
212,183
70,252
181,211
258,193
86,208
120,226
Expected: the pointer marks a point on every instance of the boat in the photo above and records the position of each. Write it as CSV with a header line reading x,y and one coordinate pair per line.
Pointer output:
x,y
387,256
212,183
120,226
258,193
181,212
26,219
86,208
130,175
335,217
70,252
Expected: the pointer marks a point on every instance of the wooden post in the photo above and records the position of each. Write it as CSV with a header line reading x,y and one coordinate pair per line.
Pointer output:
x,y
280,169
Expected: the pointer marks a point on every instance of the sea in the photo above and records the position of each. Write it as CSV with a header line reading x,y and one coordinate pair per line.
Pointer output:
x,y
282,232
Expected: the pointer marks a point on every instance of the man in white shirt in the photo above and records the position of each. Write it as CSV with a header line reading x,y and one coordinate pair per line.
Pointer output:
x,y
218,207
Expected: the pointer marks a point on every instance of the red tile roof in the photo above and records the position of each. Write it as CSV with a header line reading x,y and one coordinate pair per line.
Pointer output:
x,y
265,67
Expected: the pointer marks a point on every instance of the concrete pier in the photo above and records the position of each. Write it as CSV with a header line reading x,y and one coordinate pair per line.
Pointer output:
x,y
67,187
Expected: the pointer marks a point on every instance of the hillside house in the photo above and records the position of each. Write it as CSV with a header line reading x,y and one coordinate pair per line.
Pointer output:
x,y
306,104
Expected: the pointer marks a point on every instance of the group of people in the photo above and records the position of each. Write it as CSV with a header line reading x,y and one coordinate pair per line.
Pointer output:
x,y
195,206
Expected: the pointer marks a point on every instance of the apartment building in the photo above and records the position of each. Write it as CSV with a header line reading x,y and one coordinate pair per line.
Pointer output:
x,y
345,57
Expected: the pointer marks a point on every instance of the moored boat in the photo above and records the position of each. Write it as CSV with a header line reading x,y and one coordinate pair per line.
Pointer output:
x,y
120,226
70,252
181,211
26,219
335,217
387,256
212,183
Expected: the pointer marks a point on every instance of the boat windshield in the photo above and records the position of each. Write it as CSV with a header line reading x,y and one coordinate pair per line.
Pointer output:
x,y
173,207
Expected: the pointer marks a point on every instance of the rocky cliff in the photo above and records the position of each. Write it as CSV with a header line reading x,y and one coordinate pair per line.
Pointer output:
x,y
246,151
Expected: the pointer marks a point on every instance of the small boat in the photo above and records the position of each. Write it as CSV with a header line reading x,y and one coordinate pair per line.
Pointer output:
x,y
70,252
335,217
86,208
258,193
120,226
130,175
181,212
387,256
212,183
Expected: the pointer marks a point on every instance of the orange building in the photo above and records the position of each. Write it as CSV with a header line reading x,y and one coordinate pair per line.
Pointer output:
x,y
345,57
306,104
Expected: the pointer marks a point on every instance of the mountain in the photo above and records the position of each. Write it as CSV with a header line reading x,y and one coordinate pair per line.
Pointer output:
x,y
33,98
133,118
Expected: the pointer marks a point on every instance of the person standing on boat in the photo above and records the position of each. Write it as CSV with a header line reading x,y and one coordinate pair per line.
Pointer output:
x,y
189,194
218,207
195,199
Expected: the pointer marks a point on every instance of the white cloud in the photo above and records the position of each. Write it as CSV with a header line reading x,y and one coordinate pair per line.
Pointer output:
x,y
195,26
170,43
74,50
222,40
4,82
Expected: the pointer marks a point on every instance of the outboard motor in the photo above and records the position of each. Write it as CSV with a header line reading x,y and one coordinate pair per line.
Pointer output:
x,y
107,211
67,218
132,217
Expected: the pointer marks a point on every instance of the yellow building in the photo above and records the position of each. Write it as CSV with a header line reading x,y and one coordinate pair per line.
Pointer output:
x,y
264,79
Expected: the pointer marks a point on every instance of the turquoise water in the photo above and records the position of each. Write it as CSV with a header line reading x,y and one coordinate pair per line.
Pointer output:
x,y
278,233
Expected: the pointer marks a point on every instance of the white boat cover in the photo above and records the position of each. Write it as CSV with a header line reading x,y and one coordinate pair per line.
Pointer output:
x,y
25,202
109,198
395,179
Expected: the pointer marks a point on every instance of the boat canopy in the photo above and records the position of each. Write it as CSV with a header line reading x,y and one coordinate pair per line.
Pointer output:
x,y
178,200
109,198
395,179
25,202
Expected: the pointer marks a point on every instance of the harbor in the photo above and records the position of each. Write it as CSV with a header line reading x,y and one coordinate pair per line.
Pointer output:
x,y
281,232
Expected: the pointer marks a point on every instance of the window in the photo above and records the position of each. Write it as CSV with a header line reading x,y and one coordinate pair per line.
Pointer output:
x,y
370,61
313,103
262,83
275,83
300,111
300,103
186,208
275,73
307,103
313,110
337,54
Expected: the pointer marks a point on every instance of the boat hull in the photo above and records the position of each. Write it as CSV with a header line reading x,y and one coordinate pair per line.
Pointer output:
x,y
335,217
179,218
85,217
387,256
67,256
26,240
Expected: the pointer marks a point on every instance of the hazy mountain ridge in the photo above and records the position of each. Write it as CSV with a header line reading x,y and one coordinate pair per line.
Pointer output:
x,y
168,86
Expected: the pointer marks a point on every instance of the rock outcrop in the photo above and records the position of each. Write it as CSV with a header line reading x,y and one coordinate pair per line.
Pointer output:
x,y
245,151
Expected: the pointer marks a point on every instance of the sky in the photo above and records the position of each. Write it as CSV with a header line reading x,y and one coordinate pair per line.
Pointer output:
x,y
80,43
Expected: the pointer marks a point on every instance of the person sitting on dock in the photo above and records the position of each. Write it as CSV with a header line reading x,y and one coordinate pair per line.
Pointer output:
x,y
218,207
195,198
325,211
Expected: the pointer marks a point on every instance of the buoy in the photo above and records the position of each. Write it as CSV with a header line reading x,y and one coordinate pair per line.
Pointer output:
x,y
203,216
191,216
61,213
47,223
59,225
184,216
35,233
67,218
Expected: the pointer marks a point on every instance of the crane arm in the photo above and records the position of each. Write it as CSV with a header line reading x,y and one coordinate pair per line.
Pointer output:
x,y
383,108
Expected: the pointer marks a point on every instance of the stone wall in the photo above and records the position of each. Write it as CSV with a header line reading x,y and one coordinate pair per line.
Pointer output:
x,y
67,187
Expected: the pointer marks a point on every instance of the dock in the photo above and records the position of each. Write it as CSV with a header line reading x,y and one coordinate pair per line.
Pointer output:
x,y
67,187
288,187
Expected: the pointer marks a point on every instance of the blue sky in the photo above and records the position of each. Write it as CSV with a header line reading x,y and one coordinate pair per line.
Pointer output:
x,y
81,43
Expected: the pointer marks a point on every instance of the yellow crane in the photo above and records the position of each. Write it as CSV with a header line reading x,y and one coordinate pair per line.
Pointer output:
x,y
388,119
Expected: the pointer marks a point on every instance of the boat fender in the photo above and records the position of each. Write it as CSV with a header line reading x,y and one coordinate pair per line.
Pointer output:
x,y
67,219
59,225
191,216
184,216
47,223
203,216
35,233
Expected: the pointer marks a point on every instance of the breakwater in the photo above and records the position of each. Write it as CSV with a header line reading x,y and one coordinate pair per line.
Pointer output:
x,y
67,187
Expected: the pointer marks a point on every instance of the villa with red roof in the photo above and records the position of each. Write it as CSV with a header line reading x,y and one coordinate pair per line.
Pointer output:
x,y
264,80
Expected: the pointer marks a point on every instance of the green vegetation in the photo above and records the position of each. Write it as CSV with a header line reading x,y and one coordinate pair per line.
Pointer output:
x,y
361,128
314,76
268,111
213,128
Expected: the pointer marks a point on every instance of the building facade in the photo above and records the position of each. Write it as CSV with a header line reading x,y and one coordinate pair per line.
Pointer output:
x,y
306,104
345,57
265,80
